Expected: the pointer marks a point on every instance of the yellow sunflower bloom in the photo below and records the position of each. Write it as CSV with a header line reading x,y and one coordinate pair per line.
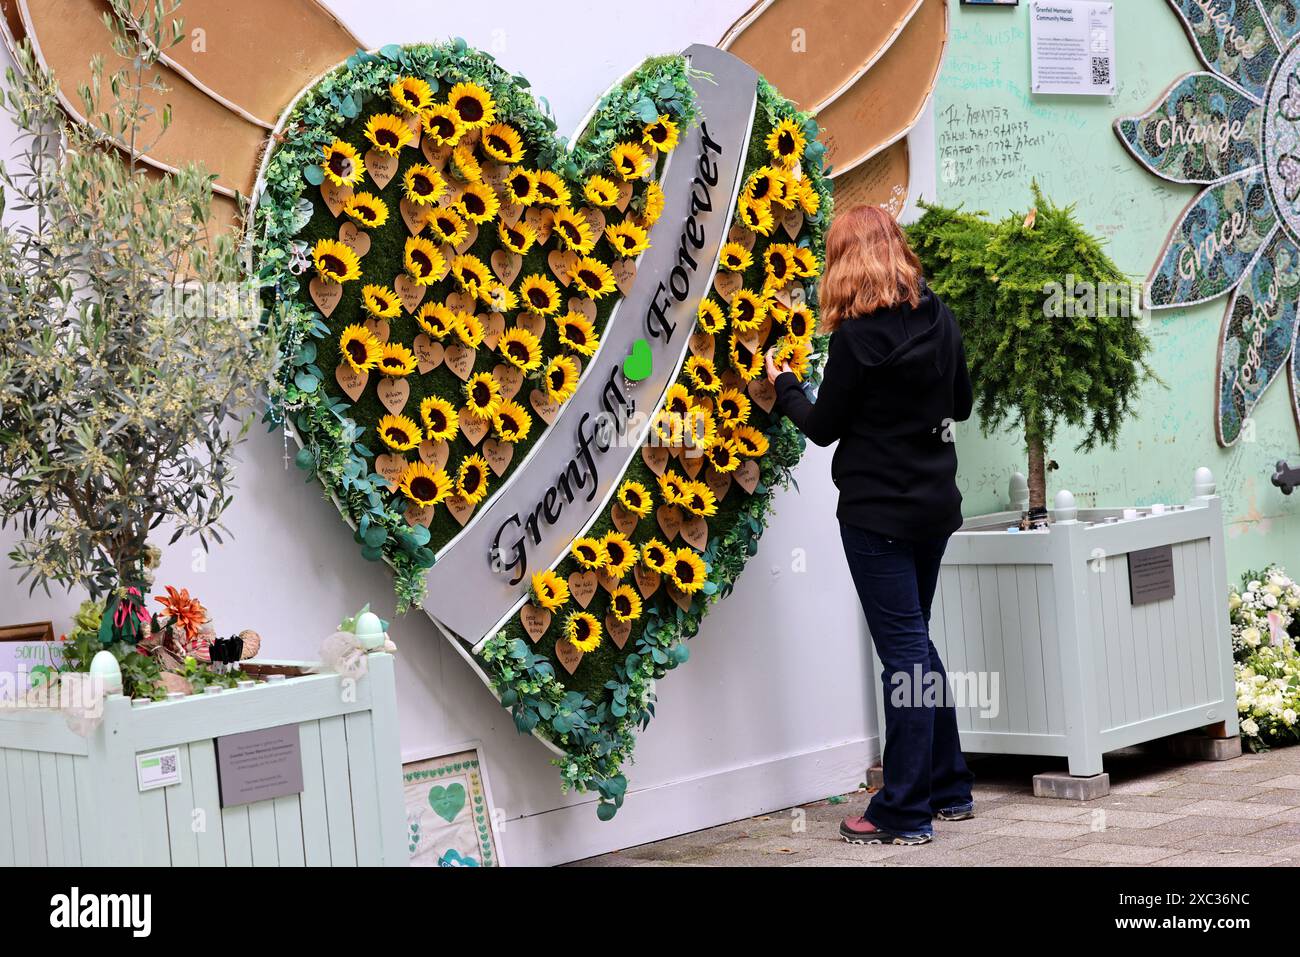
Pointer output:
x,y
573,230
785,190
473,104
359,348
561,378
733,407
630,160
600,191
366,209
423,184
592,277
482,395
388,133
589,553
436,319
398,432
521,349
497,296
779,264
796,353
625,603
442,125
577,333
655,555
763,185
627,238
755,215
652,204
703,375
470,272
423,261
464,165
698,499
582,630
736,257
748,310
518,238
786,142
478,202
447,226
380,301
669,428
397,360
425,485
439,418
512,422
687,571
701,428
411,94
501,142
749,441
620,554
549,591
472,479
809,199
635,498
805,263
799,320
469,329
678,399
671,488
521,187
342,165
723,457
745,361
539,294
551,189
710,317
335,261
662,134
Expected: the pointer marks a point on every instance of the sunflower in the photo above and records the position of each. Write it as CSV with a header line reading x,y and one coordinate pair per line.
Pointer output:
x,y
436,319
687,571
669,428
809,199
627,238
501,142
521,349
471,272
723,457
540,294
661,134
380,301
652,204
469,329
366,209
577,333
582,630
745,361
678,399
630,160
397,360
478,202
799,320
573,230
521,187
786,142
497,296
512,422
439,418
785,191
592,277
472,479
335,261
710,317
755,216
747,310
341,165
698,499
442,125
398,432
473,104
703,375
805,262
625,603
600,191
465,166
423,262
763,185
701,427
779,265
447,226
423,184
518,238
736,257
424,485
359,348
671,488
733,407
589,553
621,554
482,395
749,441
549,590
635,498
411,94
795,353
388,133
655,555
561,378
551,189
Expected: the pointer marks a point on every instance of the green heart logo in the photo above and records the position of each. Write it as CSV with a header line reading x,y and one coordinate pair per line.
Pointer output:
x,y
448,801
640,362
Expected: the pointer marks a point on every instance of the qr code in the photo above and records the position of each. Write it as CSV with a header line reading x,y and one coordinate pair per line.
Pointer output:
x,y
1101,71
167,763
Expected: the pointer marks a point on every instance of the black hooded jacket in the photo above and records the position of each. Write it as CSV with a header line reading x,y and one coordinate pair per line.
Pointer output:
x,y
894,383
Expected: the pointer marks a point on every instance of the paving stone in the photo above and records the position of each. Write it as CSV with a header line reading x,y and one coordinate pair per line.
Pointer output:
x,y
1053,811
1230,808
1291,781
1030,861
1148,837
1203,790
1278,797
1196,824
1044,829
1119,817
1284,833
1240,843
1118,853
1142,802
1209,859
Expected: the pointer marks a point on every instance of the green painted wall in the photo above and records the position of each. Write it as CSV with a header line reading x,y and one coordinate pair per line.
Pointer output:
x,y
991,137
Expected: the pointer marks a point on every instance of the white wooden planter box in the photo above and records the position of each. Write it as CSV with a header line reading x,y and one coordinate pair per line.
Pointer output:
x,y
1082,670
72,800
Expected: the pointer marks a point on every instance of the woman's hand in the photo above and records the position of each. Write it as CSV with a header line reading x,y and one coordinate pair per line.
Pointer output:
x,y
772,370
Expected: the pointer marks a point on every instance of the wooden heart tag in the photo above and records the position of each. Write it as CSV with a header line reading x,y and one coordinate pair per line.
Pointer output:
x,y
419,515
471,236
679,597
535,620
509,378
719,483
542,220
473,427
624,271
655,458
624,196
390,466
568,654
606,580
410,292
543,406
695,531
582,586
792,222
727,284
618,630
355,238
436,155
393,393
494,324
747,475
624,520
460,360
702,345
510,213
506,265
584,305
692,460
381,167
532,322
595,218
670,520
352,383
561,262
377,328
428,353
335,197
498,455
746,237
460,509
414,215
434,454
763,393
647,581
326,295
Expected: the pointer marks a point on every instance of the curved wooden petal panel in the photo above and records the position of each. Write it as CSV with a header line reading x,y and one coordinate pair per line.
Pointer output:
x,y
880,181
66,34
11,24
255,57
882,106
811,50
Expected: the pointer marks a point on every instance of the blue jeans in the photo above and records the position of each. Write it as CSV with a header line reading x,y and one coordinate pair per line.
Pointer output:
x,y
923,765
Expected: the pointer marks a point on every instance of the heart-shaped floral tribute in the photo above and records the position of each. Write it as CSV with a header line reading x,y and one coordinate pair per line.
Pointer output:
x,y
443,268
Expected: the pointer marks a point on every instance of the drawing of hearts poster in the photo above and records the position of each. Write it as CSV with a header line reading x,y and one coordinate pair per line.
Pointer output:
x,y
448,814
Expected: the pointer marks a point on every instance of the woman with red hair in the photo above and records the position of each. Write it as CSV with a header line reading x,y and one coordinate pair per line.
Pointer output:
x,y
894,383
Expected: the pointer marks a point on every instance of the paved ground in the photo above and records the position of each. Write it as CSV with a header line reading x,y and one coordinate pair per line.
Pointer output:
x,y
1160,811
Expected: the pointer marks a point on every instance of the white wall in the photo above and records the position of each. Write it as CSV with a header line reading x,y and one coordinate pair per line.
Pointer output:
x,y
772,709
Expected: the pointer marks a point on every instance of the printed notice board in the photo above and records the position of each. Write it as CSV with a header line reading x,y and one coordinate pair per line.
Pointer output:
x,y
1072,47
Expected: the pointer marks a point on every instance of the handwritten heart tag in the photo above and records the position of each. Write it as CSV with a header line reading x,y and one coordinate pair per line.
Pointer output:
x,y
747,475
606,580
655,458
434,454
428,353
532,322
506,265
460,360
692,460
647,581
460,302
473,427
460,509
746,237
719,483
792,222
584,305
543,222
498,455
679,597
355,238
624,196
393,394
419,515
561,263
624,271
670,520
471,237
326,295
390,466
535,620
377,328
763,393
494,324
727,283
582,586
415,216
595,218
510,213
436,155
568,655
381,167
410,292
695,531
352,383
509,378
543,406
335,197
624,520
701,344
618,631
